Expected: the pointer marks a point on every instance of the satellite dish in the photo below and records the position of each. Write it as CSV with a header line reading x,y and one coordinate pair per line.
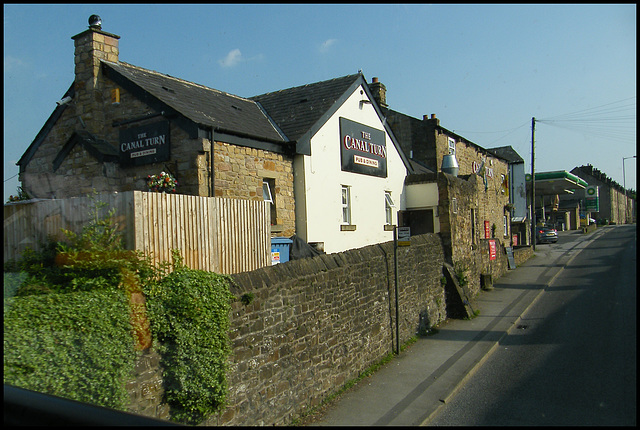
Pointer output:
x,y
95,22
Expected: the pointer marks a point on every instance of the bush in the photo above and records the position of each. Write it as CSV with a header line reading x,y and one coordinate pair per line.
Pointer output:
x,y
189,315
68,329
67,326
75,345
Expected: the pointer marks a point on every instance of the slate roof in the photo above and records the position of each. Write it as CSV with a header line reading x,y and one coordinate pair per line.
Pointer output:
x,y
205,106
296,110
508,153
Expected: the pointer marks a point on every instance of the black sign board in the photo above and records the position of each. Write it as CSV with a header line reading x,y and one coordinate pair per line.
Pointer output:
x,y
145,144
363,149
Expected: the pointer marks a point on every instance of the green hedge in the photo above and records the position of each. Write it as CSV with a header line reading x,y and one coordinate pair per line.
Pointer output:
x,y
75,345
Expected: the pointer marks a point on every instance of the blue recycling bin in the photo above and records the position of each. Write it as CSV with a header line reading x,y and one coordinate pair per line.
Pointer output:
x,y
280,247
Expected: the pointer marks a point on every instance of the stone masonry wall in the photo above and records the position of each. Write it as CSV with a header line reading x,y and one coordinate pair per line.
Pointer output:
x,y
239,172
463,234
145,387
316,323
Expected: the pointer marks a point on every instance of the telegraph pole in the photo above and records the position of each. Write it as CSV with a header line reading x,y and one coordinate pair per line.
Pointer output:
x,y
533,183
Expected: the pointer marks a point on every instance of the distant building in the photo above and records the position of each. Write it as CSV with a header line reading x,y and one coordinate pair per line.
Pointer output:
x,y
520,222
611,197
556,202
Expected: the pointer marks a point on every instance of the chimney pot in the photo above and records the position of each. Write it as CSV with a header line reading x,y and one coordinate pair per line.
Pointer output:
x,y
433,116
374,80
95,22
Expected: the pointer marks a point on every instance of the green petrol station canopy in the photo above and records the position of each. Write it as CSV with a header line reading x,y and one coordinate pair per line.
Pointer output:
x,y
556,182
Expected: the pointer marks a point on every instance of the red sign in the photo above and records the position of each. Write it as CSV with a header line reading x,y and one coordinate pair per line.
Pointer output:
x,y
492,250
487,230
515,240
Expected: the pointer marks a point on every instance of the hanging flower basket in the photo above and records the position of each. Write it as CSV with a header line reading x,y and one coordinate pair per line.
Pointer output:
x,y
162,183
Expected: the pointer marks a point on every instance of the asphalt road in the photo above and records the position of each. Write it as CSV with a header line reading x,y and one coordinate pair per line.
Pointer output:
x,y
571,360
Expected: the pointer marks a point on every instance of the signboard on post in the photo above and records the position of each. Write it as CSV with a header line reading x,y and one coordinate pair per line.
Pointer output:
x,y
404,236
591,199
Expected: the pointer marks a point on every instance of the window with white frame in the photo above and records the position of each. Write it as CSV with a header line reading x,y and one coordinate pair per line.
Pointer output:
x,y
268,194
505,225
388,207
346,204
452,146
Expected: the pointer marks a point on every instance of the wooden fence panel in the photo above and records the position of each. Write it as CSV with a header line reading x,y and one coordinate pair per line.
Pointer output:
x,y
214,234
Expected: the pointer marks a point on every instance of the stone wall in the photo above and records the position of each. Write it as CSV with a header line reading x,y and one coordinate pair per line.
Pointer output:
x,y
316,323
146,389
239,172
462,227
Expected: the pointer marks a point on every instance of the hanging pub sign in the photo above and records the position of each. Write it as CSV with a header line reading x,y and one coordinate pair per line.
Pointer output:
x,y
363,149
145,144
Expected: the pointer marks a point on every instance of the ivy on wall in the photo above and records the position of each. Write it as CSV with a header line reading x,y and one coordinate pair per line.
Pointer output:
x,y
189,314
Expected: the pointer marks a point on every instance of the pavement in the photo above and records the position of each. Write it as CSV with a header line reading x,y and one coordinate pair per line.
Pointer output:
x,y
412,387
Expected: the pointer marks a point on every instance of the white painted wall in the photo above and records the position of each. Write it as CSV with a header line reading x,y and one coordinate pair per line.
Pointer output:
x,y
424,196
318,181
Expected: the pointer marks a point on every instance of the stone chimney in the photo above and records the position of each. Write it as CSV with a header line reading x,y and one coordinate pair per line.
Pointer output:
x,y
379,92
433,119
91,46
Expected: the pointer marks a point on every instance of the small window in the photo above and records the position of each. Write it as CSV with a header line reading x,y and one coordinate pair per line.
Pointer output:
x,y
454,205
452,146
268,194
266,191
505,225
473,226
346,204
388,207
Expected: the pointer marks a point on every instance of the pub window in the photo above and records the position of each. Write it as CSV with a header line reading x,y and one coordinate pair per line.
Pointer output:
x,y
346,204
388,207
268,194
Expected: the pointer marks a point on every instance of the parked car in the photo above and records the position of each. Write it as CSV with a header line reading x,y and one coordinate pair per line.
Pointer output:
x,y
546,234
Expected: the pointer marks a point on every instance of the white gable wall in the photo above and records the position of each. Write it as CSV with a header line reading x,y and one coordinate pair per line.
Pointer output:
x,y
318,181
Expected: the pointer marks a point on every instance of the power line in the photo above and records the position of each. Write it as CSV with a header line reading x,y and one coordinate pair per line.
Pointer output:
x,y
593,111
614,121
11,177
508,132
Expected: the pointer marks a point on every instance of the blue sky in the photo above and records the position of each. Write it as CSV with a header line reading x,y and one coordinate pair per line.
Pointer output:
x,y
484,70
